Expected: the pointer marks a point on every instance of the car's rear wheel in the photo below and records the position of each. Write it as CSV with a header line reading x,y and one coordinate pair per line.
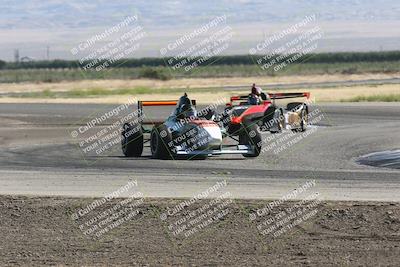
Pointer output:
x,y
132,140
160,141
250,135
279,121
294,106
304,119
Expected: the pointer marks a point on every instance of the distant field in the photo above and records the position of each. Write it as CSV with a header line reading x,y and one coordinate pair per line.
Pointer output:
x,y
217,71
364,93
215,67
375,98
149,78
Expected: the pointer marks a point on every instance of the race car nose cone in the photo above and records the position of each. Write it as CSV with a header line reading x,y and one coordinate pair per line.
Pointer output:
x,y
208,134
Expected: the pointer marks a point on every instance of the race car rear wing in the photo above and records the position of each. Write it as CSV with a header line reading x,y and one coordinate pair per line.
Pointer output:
x,y
272,96
155,103
142,104
289,95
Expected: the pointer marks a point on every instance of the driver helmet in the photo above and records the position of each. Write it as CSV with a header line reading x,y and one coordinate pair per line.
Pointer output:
x,y
185,107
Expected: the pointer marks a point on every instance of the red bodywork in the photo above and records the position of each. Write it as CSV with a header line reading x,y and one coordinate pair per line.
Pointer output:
x,y
252,110
204,123
262,107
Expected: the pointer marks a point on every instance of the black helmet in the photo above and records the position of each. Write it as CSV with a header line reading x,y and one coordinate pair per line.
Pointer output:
x,y
184,100
185,108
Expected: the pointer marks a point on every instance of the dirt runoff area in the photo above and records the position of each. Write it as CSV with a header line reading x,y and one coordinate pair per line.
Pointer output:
x,y
37,231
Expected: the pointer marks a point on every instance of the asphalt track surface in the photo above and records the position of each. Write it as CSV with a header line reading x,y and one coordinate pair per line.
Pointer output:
x,y
38,156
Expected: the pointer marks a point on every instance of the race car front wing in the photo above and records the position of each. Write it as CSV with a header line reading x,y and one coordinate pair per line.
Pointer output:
x,y
240,149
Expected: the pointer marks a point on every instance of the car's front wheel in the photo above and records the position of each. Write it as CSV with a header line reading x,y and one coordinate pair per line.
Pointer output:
x,y
160,142
251,136
132,140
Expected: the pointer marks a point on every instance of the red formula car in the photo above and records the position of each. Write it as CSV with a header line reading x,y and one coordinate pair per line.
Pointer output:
x,y
240,116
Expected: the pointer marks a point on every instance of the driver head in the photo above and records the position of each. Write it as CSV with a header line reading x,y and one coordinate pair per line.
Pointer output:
x,y
184,100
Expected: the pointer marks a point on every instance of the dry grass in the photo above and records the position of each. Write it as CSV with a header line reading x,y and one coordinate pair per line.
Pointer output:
x,y
336,94
348,93
375,98
184,83
45,93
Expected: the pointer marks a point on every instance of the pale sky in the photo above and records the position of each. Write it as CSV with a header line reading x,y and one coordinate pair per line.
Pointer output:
x,y
352,25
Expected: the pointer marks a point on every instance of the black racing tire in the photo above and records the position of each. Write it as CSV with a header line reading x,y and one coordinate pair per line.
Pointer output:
x,y
293,106
280,123
304,119
250,135
132,140
160,139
